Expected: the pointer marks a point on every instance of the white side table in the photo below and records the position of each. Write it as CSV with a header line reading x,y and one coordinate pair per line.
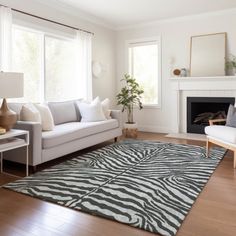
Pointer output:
x,y
15,139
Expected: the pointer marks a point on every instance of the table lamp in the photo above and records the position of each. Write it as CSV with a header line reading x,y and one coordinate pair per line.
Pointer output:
x,y
11,86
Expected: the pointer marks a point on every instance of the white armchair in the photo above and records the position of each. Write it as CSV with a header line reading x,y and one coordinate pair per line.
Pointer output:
x,y
221,135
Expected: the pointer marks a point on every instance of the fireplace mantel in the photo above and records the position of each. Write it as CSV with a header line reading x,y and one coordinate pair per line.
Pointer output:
x,y
204,83
218,86
211,78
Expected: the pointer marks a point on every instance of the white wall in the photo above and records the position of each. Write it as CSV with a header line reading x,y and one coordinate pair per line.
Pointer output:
x,y
175,35
109,49
103,40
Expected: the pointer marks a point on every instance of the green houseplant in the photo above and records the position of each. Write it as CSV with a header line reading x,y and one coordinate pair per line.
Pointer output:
x,y
130,96
231,64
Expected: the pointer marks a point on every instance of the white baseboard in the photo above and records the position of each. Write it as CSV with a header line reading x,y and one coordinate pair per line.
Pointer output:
x,y
190,136
155,129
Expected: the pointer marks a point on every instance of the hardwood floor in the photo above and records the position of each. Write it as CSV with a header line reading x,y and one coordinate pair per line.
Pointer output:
x,y
213,214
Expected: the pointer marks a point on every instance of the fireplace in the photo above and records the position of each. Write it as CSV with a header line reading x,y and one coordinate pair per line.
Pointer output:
x,y
201,109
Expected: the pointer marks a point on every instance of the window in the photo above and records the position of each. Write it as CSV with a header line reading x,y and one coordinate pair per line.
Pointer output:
x,y
144,65
26,58
48,63
60,78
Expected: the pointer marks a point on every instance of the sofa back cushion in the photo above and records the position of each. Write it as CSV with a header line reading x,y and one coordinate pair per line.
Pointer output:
x,y
29,112
63,112
16,107
46,117
91,112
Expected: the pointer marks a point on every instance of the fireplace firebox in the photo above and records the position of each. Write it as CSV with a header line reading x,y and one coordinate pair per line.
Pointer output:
x,y
201,109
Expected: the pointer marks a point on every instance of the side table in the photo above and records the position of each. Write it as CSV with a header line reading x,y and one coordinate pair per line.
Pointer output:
x,y
15,139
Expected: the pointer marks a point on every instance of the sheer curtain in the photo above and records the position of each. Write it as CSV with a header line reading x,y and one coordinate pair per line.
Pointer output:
x,y
84,69
5,38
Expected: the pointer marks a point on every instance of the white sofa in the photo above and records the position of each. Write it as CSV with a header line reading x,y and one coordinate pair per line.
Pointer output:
x,y
69,134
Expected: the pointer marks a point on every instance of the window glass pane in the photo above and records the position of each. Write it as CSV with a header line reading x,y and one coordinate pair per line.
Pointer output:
x,y
26,58
61,81
143,65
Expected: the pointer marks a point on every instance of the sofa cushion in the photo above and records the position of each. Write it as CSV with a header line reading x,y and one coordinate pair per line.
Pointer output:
x,y
231,116
106,108
220,132
91,112
46,117
16,107
29,112
67,132
63,112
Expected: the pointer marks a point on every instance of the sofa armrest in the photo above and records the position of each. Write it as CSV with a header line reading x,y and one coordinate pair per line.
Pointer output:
x,y
35,140
117,114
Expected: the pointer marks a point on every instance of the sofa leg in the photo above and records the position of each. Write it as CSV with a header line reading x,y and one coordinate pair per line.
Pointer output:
x,y
34,169
115,139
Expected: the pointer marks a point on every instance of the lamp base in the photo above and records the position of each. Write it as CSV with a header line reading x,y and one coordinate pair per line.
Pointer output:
x,y
7,117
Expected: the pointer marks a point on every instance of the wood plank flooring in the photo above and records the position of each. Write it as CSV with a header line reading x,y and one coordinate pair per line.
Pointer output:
x,y
213,214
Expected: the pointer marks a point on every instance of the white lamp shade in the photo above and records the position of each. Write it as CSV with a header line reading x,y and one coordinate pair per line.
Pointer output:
x,y
11,85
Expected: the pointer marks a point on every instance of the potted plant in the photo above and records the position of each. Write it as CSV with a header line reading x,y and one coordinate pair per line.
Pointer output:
x,y
231,64
129,97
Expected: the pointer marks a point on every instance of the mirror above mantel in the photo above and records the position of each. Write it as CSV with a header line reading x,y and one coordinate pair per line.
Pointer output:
x,y
207,55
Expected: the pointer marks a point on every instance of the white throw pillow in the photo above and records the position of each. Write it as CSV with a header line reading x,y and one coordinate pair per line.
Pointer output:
x,y
28,112
91,112
106,108
46,117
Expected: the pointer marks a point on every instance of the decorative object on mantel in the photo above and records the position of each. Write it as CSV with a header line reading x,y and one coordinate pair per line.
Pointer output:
x,y
183,72
231,64
11,86
180,72
177,72
207,56
129,96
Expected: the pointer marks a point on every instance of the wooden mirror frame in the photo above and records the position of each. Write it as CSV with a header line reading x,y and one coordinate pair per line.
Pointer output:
x,y
220,71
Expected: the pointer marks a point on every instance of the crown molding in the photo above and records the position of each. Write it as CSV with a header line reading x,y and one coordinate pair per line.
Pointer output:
x,y
231,11
58,5
75,12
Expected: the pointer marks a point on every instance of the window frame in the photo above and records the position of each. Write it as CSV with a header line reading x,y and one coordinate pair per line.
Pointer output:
x,y
43,35
147,41
57,37
41,69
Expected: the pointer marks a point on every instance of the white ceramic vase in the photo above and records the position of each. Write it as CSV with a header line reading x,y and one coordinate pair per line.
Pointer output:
x,y
131,126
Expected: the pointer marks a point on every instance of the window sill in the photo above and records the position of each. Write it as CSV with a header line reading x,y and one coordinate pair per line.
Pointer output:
x,y
154,106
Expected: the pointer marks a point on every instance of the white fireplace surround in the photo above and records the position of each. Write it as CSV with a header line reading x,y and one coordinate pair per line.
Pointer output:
x,y
183,87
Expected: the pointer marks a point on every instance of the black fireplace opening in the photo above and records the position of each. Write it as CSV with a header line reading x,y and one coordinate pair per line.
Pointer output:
x,y
201,109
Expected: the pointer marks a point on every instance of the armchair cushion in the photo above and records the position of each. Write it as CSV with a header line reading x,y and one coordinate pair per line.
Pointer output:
x,y
231,116
220,132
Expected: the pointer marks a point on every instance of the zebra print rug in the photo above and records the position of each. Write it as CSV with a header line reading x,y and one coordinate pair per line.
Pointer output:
x,y
149,185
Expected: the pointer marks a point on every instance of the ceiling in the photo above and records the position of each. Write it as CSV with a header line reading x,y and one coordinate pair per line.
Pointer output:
x,y
123,13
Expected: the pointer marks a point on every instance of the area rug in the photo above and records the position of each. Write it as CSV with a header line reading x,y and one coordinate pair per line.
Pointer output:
x,y
149,185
